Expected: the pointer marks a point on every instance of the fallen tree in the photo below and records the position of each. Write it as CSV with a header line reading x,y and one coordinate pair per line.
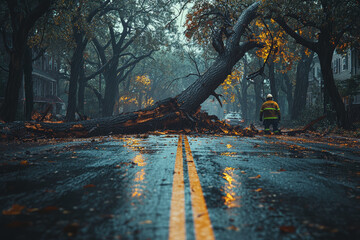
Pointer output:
x,y
180,112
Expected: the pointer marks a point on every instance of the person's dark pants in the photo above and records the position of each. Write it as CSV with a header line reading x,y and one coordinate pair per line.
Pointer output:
x,y
274,123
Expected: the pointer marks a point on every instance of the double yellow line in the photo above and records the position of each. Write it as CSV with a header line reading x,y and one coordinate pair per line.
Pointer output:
x,y
202,223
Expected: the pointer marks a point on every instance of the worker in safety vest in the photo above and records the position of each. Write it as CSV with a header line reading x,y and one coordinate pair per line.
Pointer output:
x,y
271,112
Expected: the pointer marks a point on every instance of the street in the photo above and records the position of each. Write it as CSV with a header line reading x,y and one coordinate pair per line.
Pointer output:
x,y
181,187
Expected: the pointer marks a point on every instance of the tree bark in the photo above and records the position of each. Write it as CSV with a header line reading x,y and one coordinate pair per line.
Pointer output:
x,y
10,104
301,84
29,91
289,93
325,57
273,86
81,90
110,91
258,100
75,65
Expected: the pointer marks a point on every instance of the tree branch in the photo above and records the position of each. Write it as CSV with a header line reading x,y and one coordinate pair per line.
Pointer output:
x,y
40,54
95,11
35,14
240,26
310,45
196,65
135,61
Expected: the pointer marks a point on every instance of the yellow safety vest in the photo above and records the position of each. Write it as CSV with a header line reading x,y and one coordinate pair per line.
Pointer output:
x,y
270,109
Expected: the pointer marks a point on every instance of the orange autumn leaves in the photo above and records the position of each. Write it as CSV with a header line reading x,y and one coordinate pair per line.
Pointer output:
x,y
203,20
277,47
17,209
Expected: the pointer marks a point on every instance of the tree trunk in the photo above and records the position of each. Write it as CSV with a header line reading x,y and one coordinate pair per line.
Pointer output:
x,y
258,99
191,98
325,57
75,65
81,91
21,25
289,94
110,93
9,107
301,85
29,92
273,87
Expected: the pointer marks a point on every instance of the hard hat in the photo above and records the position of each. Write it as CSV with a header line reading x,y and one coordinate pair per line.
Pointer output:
x,y
269,96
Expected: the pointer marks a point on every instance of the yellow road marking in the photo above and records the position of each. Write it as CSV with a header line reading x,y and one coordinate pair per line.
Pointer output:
x,y
202,223
177,228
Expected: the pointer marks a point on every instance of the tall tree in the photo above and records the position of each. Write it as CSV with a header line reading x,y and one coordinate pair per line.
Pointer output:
x,y
301,84
229,53
80,21
333,22
23,15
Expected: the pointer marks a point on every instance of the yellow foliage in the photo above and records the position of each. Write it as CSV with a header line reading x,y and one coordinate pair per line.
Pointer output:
x,y
148,102
143,80
127,100
276,44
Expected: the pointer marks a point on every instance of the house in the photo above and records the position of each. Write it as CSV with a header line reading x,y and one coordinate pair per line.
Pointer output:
x,y
45,78
344,66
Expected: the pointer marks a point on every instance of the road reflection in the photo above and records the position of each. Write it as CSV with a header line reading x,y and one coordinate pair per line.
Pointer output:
x,y
138,185
230,198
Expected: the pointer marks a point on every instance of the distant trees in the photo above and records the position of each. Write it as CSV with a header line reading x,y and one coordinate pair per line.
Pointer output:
x,y
124,34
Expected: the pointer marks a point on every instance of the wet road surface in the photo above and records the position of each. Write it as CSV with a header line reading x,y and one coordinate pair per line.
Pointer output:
x,y
178,187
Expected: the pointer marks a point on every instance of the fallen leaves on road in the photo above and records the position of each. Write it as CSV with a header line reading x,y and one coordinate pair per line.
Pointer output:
x,y
15,209
19,224
228,154
24,162
71,229
228,145
89,186
233,228
146,222
30,210
48,209
258,190
287,229
256,177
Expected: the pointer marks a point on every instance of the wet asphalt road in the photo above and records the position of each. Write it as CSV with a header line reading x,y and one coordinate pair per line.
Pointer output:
x,y
122,188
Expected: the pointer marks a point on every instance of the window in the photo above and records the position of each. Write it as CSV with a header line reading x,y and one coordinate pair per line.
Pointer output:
x,y
356,99
335,66
345,62
44,64
50,63
51,89
318,72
